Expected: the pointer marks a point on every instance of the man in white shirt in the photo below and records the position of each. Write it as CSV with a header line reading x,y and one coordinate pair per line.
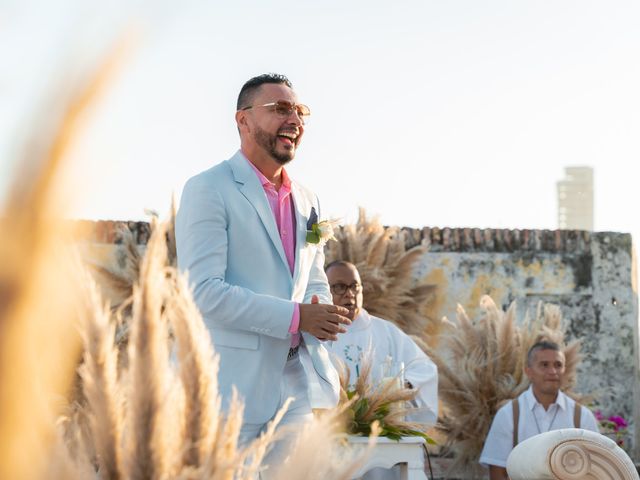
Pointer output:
x,y
541,408
382,341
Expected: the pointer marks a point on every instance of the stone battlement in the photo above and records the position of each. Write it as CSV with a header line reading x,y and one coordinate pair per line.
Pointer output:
x,y
590,275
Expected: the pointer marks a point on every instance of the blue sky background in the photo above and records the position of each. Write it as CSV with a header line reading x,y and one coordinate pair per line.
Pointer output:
x,y
456,113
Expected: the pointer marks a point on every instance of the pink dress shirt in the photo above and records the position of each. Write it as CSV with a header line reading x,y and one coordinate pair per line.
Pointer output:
x,y
281,203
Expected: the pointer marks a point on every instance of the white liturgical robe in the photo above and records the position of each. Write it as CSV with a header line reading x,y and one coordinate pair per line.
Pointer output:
x,y
383,339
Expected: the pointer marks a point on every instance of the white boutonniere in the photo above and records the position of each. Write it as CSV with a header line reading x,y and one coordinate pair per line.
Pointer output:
x,y
321,232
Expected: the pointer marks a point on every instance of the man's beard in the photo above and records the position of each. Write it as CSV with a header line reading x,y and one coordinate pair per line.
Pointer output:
x,y
269,142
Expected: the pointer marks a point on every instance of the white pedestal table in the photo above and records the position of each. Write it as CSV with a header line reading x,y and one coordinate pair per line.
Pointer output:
x,y
408,453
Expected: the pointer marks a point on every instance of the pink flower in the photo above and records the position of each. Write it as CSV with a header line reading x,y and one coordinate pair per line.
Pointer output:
x,y
598,415
619,421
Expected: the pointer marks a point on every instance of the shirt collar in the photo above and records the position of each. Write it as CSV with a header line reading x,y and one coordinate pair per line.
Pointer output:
x,y
561,399
266,183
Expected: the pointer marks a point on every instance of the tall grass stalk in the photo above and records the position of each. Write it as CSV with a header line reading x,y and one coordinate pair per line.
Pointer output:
x,y
39,345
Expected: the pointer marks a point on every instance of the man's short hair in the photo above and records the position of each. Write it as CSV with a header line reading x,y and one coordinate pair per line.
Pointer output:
x,y
339,263
251,86
541,345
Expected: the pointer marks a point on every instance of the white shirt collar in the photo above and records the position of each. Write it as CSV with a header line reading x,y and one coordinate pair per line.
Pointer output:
x,y
561,399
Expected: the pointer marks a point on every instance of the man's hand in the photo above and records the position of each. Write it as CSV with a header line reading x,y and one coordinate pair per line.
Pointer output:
x,y
323,321
498,473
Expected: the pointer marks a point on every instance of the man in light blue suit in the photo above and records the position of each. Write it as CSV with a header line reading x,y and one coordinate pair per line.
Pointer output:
x,y
241,234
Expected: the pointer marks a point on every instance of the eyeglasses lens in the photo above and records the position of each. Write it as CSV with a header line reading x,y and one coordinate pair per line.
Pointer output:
x,y
341,288
285,109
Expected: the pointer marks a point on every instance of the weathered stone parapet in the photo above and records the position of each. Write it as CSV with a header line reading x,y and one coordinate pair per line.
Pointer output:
x,y
497,240
591,276
437,239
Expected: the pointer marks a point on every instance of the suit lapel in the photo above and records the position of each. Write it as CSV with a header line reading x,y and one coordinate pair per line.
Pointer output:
x,y
250,187
301,209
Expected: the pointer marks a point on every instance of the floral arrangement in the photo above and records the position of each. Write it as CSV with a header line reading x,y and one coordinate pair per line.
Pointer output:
x,y
613,426
384,405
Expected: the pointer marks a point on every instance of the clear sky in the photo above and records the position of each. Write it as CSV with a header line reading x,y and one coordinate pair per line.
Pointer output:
x,y
429,113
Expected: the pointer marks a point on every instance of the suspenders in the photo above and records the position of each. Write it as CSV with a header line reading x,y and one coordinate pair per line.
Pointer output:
x,y
515,405
516,418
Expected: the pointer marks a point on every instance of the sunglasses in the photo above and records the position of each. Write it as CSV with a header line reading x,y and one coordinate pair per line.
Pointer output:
x,y
285,109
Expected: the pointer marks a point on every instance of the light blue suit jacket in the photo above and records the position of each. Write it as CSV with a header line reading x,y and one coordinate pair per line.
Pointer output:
x,y
228,242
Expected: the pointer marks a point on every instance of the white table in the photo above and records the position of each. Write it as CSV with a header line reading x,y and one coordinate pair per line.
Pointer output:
x,y
408,453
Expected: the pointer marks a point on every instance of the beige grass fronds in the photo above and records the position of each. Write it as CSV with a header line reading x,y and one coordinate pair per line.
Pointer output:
x,y
481,366
387,270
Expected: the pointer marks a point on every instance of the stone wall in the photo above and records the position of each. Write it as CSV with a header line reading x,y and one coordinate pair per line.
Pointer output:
x,y
591,276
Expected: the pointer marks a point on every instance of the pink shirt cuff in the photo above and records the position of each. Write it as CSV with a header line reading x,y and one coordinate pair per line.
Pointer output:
x,y
295,319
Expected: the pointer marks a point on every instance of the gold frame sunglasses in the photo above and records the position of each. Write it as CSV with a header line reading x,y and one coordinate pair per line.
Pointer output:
x,y
284,109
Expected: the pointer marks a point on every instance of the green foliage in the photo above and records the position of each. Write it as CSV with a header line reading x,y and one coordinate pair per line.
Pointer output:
x,y
313,236
360,419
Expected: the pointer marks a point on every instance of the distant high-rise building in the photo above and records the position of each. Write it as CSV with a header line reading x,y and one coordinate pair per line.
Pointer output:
x,y
575,199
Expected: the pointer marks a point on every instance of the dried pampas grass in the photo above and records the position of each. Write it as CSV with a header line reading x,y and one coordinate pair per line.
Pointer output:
x,y
155,416
101,389
39,346
387,271
160,419
370,406
118,276
481,366
152,398
172,426
334,459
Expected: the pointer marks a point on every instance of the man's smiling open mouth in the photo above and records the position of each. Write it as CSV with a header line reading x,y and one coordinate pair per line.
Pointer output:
x,y
288,137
